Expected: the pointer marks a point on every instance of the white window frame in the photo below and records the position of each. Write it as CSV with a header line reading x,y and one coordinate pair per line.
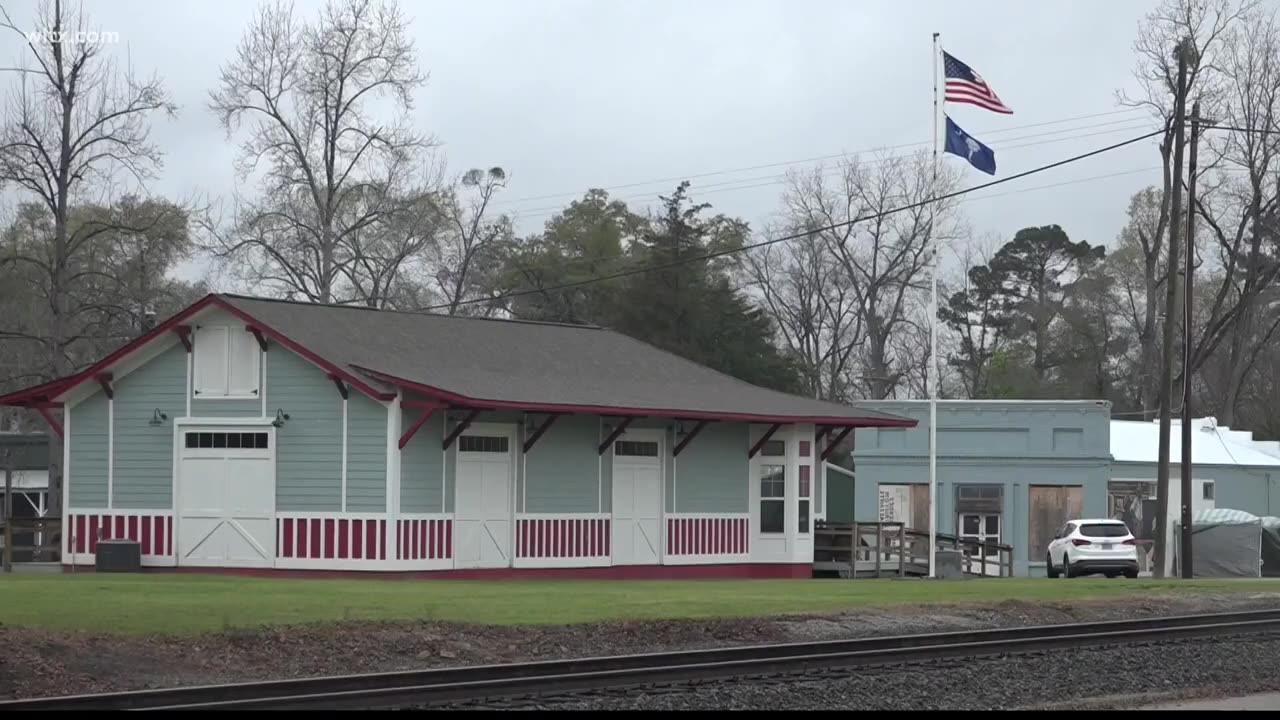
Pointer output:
x,y
781,461
255,392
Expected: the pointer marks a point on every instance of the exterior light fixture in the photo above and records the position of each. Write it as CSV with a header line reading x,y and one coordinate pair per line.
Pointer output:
x,y
157,418
281,417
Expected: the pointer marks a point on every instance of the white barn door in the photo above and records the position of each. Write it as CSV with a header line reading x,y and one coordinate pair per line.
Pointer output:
x,y
637,499
483,497
226,498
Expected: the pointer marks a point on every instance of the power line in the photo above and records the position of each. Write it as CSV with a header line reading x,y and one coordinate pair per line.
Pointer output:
x,y
776,179
796,236
573,193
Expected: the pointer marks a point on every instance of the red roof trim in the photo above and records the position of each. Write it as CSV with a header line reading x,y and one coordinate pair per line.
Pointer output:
x,y
49,390
629,411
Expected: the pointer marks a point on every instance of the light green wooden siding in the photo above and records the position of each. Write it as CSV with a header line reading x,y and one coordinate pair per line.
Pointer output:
x,y
422,464
366,454
712,473
88,440
562,468
309,446
229,408
143,477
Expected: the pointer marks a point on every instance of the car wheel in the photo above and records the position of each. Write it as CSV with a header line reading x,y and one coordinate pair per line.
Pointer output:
x,y
1048,566
1066,567
1131,574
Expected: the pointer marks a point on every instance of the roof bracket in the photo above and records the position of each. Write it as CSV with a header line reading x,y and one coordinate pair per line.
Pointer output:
x,y
184,334
262,341
53,421
617,432
104,379
413,429
831,446
462,427
763,439
687,438
546,424
343,390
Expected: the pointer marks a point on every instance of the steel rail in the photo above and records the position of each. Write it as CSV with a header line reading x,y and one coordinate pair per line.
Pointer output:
x,y
557,677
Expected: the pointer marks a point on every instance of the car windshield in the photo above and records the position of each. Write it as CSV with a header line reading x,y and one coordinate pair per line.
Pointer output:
x,y
1104,530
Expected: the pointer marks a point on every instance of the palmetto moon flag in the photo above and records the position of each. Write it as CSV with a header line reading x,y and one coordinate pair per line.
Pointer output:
x,y
961,143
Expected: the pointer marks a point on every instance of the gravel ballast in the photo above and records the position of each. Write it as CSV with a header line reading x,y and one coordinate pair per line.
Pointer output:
x,y
1101,678
41,662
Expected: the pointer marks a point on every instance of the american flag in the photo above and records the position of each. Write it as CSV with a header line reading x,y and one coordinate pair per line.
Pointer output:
x,y
966,86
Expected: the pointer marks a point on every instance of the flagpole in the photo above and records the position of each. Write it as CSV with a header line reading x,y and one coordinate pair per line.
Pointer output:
x,y
933,345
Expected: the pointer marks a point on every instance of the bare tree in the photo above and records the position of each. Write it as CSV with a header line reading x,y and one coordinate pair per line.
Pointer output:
x,y
1208,23
1140,269
73,120
462,263
814,306
1240,208
332,170
884,256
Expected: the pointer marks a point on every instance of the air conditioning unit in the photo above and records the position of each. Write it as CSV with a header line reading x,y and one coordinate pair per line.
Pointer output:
x,y
118,556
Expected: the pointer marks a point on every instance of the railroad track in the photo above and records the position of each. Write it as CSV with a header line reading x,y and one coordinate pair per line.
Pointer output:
x,y
563,677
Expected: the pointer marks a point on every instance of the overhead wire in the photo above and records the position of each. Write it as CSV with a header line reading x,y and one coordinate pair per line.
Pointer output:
x,y
777,179
504,202
795,236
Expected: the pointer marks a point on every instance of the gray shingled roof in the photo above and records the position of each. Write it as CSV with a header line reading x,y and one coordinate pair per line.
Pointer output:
x,y
530,363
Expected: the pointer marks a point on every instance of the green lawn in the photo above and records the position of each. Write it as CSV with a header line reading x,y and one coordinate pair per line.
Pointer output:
x,y
181,603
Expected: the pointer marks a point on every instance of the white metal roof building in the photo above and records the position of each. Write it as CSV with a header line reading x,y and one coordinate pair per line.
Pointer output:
x,y
1230,470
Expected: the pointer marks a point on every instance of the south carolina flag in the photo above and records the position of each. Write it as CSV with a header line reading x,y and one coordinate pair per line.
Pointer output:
x,y
962,143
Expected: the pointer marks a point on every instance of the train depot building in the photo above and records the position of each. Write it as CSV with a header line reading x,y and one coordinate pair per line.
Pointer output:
x,y
264,434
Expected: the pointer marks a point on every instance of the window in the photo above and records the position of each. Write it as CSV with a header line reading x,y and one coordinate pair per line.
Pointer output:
x,y
1206,490
1104,530
225,440
225,362
773,491
632,448
483,443
804,499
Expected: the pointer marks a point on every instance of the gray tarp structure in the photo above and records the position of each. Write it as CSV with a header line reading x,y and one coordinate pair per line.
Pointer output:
x,y
1233,543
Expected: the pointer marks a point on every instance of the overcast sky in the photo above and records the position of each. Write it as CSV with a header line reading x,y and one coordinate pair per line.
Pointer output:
x,y
572,94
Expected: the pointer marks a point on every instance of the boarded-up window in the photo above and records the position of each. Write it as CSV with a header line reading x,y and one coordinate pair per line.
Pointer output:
x,y
905,504
1051,506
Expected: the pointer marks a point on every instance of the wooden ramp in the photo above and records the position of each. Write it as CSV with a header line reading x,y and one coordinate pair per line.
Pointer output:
x,y
885,549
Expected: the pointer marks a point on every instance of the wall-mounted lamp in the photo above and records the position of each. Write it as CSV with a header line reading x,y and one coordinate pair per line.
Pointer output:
x,y
281,417
157,418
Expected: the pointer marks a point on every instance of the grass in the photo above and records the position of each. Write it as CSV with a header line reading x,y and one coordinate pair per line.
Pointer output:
x,y
182,603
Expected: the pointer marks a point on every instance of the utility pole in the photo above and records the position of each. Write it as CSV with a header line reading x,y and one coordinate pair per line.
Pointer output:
x,y
1184,556
1166,360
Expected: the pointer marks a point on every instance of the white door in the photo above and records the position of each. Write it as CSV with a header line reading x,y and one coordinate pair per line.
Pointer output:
x,y
637,499
226,498
483,496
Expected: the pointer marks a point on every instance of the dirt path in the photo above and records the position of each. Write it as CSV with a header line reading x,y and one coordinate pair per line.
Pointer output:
x,y
39,662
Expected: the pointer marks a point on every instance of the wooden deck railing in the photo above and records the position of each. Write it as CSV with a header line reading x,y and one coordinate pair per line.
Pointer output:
x,y
888,549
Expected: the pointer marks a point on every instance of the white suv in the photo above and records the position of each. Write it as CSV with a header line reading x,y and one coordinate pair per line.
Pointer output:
x,y
1102,546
